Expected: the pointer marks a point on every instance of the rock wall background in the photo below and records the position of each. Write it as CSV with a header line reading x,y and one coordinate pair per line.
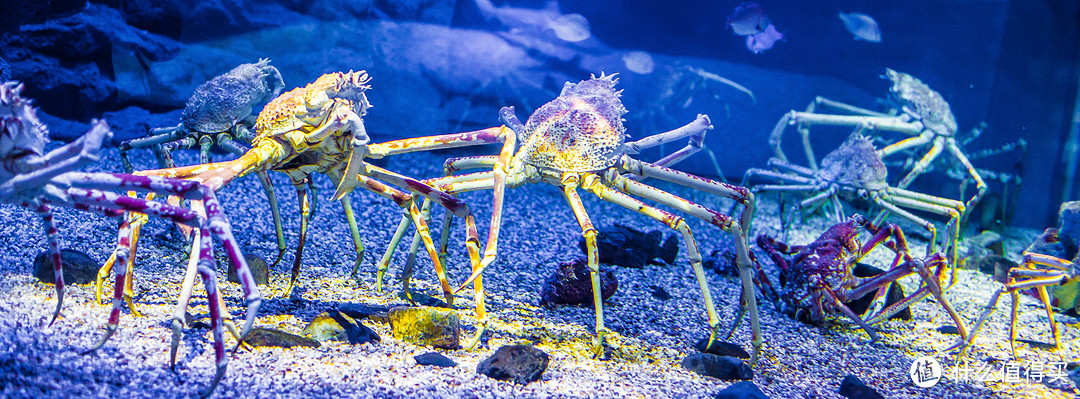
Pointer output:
x,y
439,66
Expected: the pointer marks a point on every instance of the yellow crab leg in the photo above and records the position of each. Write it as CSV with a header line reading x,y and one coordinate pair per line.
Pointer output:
x,y
570,181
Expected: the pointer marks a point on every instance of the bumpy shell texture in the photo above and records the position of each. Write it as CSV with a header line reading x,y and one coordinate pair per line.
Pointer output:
x,y
220,103
855,164
579,131
931,107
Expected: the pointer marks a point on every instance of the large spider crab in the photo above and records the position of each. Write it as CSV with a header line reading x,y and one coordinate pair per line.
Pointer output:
x,y
921,113
577,141
1037,271
855,171
819,278
220,112
319,128
37,180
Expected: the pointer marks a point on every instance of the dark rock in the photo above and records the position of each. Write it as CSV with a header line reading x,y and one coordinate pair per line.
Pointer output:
x,y
426,326
624,246
358,311
719,367
741,390
337,326
895,294
854,388
572,284
69,63
521,364
79,268
260,271
162,17
5,71
20,12
659,292
434,359
262,336
995,265
1069,227
949,329
722,262
432,11
721,348
1048,243
135,122
423,299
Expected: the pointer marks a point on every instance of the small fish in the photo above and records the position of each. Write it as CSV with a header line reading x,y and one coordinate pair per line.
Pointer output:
x,y
571,27
862,26
760,42
748,19
639,62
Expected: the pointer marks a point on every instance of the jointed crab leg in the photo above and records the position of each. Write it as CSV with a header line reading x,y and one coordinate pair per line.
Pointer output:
x,y
235,147
215,220
888,123
694,130
737,228
1037,271
54,253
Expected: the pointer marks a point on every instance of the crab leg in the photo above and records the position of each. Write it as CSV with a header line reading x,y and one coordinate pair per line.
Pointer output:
x,y
49,225
570,182
694,130
238,149
980,185
453,165
215,221
889,123
619,195
122,251
910,142
725,222
836,303
306,206
157,137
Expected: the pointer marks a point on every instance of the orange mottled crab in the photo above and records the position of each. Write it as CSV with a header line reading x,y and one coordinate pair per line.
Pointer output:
x,y
578,141
319,128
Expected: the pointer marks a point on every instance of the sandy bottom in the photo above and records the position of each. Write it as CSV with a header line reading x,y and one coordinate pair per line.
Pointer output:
x,y
539,231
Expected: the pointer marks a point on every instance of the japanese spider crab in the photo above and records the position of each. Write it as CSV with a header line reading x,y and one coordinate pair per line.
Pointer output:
x,y
37,180
921,113
855,171
220,111
578,141
319,128
1038,271
819,278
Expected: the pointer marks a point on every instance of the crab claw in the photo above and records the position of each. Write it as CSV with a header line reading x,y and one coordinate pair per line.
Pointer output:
x,y
348,179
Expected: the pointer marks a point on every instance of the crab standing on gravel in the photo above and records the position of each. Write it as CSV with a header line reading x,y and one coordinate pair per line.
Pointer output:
x,y
1037,271
319,128
578,141
855,171
923,114
819,278
220,111
35,180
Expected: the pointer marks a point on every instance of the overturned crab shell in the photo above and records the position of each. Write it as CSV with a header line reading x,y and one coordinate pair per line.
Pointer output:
x,y
20,130
221,102
579,131
911,92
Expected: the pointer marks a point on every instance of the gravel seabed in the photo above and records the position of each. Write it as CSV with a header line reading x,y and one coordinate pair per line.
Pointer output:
x,y
539,231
